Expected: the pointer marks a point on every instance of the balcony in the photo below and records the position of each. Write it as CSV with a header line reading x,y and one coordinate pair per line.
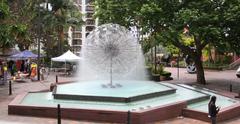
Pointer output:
x,y
89,15
76,42
90,28
76,29
90,22
89,8
77,36
89,2
76,49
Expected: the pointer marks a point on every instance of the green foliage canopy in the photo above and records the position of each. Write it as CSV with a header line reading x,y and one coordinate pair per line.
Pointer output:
x,y
208,21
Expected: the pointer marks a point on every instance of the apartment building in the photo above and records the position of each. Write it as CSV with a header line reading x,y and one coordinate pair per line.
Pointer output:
x,y
76,36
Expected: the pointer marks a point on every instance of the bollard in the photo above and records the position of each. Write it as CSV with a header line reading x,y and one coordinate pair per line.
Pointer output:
x,y
230,88
56,79
238,96
10,88
129,117
59,113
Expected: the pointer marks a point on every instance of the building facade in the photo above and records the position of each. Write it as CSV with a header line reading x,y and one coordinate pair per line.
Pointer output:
x,y
76,36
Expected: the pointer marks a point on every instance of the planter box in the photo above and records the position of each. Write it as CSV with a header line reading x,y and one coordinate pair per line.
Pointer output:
x,y
155,77
165,78
162,78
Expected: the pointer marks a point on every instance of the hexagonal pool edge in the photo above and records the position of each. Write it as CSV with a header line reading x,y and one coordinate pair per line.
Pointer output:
x,y
141,117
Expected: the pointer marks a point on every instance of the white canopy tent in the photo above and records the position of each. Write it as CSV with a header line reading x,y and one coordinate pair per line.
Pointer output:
x,y
66,57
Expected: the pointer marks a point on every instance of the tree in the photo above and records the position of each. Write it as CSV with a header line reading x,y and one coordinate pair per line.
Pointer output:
x,y
205,26
48,21
56,18
167,21
6,41
22,22
4,10
230,15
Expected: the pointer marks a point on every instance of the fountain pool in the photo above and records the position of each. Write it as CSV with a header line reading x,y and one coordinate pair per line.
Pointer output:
x,y
165,101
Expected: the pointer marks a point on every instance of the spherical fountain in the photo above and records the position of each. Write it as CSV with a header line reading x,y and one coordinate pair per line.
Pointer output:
x,y
111,53
112,83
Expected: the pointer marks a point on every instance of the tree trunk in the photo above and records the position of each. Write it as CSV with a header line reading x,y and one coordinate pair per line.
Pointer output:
x,y
155,58
200,70
151,55
60,39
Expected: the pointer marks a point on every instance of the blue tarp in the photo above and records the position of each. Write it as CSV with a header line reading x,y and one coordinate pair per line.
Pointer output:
x,y
24,55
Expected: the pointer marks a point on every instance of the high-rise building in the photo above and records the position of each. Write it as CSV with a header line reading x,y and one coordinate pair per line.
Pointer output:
x,y
76,36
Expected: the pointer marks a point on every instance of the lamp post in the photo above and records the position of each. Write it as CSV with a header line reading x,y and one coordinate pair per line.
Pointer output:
x,y
38,44
42,6
178,64
38,58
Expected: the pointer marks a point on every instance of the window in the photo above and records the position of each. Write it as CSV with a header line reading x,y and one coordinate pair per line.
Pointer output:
x,y
89,2
77,42
76,49
89,28
90,8
77,35
90,22
89,15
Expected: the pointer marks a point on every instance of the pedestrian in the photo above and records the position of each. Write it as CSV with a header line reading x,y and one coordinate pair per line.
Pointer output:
x,y
5,71
33,72
213,109
1,74
13,69
42,72
22,66
1,70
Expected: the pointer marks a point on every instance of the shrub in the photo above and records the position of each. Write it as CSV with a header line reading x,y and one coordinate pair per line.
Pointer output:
x,y
159,69
166,73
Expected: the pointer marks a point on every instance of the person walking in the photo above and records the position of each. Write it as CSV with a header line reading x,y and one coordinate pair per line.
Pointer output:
x,y
5,72
213,109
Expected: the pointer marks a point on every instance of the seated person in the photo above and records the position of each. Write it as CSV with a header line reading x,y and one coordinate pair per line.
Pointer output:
x,y
20,76
33,73
1,72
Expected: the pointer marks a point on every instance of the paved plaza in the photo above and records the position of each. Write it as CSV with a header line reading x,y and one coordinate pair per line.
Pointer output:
x,y
217,80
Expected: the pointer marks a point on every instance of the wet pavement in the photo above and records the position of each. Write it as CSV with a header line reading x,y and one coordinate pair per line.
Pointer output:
x,y
216,80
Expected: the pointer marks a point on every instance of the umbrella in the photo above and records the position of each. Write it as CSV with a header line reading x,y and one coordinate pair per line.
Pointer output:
x,y
24,55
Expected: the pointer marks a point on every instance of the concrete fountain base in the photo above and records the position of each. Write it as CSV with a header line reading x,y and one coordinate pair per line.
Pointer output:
x,y
184,101
129,91
140,117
